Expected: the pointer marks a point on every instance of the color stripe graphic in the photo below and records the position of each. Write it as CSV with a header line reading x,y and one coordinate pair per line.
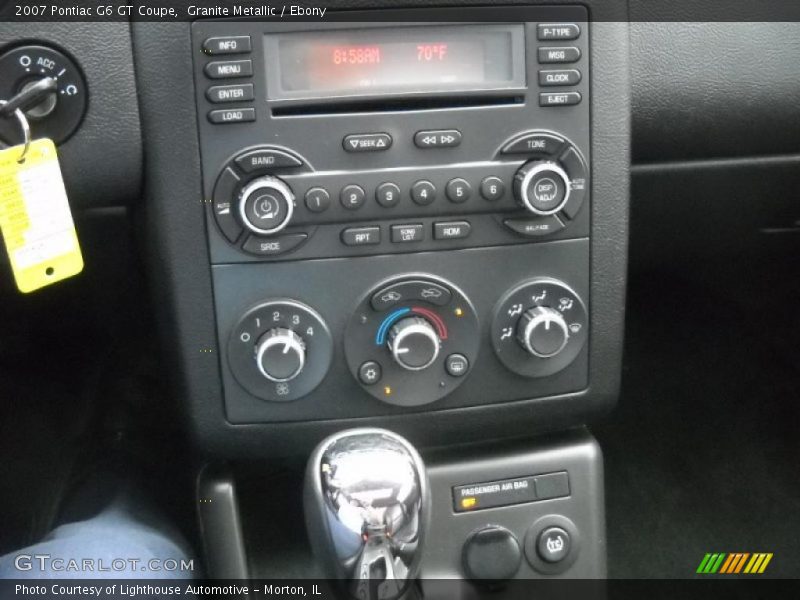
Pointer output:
x,y
733,563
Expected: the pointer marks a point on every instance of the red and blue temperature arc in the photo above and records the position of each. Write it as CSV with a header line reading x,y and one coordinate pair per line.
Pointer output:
x,y
393,317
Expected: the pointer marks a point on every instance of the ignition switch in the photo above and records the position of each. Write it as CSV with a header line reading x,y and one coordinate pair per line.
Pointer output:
x,y
59,113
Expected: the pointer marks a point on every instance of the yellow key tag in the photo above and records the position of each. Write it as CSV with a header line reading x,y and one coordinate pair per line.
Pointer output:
x,y
35,217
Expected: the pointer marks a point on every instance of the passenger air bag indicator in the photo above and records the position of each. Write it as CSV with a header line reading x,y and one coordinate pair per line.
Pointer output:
x,y
505,492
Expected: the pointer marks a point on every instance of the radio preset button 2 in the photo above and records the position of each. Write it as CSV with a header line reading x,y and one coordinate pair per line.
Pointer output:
x,y
559,54
402,234
264,159
367,142
458,190
352,197
423,192
226,69
557,31
387,194
361,236
492,188
317,200
439,138
230,44
219,94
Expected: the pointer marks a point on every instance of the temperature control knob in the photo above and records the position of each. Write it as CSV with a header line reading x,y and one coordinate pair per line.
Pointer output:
x,y
266,205
542,331
414,343
542,187
280,355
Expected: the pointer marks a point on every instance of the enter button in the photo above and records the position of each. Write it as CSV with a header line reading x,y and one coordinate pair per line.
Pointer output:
x,y
451,230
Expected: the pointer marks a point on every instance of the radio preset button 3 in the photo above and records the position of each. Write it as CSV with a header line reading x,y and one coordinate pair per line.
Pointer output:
x,y
387,195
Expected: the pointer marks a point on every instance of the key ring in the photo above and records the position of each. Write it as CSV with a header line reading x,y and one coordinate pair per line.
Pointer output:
x,y
26,131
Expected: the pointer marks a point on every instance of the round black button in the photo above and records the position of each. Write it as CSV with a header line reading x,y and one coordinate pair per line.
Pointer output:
x,y
456,365
492,188
387,195
369,373
352,197
492,553
265,209
423,192
553,544
458,190
318,199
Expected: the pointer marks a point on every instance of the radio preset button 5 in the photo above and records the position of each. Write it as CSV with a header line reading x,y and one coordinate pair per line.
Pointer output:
x,y
264,159
266,205
423,192
458,190
352,197
226,69
317,200
387,195
492,188
367,142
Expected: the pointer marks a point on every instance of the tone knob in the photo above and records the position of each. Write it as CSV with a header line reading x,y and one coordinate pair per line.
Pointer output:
x,y
542,331
542,187
414,343
266,205
280,355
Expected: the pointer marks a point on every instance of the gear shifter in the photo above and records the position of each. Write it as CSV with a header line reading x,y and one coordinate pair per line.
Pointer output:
x,y
367,508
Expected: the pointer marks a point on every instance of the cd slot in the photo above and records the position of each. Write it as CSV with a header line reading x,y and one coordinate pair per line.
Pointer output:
x,y
396,105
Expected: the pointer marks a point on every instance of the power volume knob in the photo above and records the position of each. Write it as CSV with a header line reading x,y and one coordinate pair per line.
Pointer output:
x,y
543,332
542,187
414,343
266,205
280,355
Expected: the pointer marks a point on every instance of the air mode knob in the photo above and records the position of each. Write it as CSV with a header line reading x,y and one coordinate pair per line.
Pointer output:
x,y
542,331
280,355
414,343
542,187
266,205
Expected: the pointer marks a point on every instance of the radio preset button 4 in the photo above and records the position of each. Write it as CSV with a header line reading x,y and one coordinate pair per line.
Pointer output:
x,y
423,192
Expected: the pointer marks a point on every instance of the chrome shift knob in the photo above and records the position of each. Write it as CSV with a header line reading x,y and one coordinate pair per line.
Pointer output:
x,y
367,509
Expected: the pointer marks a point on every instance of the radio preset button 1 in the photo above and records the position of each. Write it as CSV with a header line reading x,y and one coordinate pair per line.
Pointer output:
x,y
423,192
492,188
219,94
535,143
439,138
264,159
232,44
559,98
559,54
261,246
361,236
387,194
352,197
555,77
367,142
451,230
232,115
458,190
407,233
226,69
317,200
557,31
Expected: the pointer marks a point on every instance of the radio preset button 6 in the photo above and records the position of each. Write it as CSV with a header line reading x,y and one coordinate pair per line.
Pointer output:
x,y
317,200
458,190
264,159
226,69
492,188
367,142
352,197
231,44
439,138
266,205
423,192
557,31
387,194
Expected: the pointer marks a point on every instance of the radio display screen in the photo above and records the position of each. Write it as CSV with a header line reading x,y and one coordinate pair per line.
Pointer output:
x,y
398,60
